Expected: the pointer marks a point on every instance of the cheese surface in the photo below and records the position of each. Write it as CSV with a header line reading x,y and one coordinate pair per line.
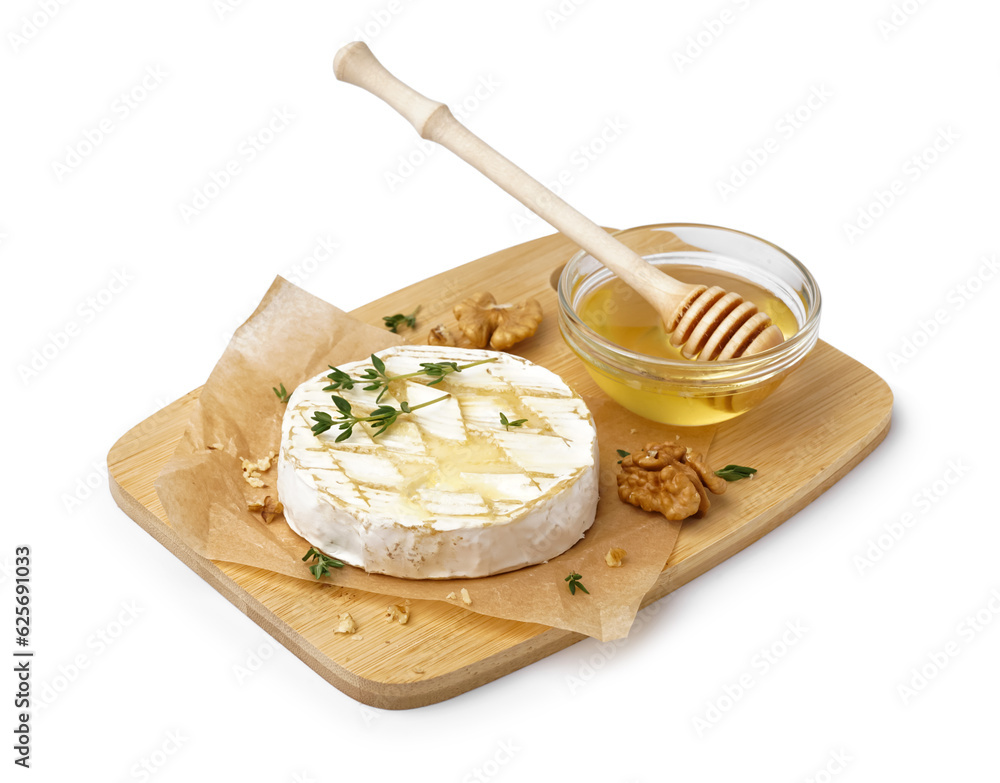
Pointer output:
x,y
447,490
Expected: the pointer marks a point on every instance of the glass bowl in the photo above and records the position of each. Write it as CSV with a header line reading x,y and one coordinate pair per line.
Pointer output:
x,y
622,343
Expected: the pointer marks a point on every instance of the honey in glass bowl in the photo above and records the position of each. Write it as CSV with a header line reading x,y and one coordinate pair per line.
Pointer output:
x,y
623,345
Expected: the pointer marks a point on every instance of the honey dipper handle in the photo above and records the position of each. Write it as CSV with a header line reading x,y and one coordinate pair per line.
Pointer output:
x,y
356,65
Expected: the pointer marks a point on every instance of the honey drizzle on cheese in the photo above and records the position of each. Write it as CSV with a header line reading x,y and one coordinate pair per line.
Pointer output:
x,y
431,467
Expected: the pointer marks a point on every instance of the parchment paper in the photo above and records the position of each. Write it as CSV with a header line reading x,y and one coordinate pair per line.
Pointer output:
x,y
292,336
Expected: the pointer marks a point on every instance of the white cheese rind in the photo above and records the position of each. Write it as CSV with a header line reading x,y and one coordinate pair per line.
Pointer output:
x,y
450,493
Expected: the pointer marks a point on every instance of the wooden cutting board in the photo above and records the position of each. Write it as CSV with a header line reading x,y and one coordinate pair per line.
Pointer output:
x,y
826,418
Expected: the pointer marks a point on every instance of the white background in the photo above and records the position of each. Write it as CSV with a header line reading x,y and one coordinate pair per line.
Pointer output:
x,y
168,690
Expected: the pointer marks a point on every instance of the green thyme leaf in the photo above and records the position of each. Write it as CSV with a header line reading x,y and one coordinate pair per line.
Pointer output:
x,y
623,454
735,472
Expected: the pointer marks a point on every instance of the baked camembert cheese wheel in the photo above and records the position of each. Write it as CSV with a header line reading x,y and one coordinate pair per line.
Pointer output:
x,y
448,490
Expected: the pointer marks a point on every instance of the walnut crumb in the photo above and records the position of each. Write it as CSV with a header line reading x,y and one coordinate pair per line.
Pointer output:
x,y
466,598
451,597
418,670
217,447
398,612
268,508
252,469
441,335
263,464
615,557
346,624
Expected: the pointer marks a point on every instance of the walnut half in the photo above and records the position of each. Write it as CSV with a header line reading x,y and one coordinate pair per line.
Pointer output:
x,y
670,479
485,323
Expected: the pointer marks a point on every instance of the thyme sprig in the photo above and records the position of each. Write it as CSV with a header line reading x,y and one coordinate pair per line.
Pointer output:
x,y
321,563
378,379
380,419
393,322
338,380
574,583
280,392
507,424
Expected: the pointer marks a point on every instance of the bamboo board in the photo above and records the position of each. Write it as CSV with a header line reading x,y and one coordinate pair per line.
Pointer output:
x,y
827,417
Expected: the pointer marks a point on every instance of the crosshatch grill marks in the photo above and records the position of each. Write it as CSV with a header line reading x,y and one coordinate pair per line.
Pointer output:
x,y
453,459
491,472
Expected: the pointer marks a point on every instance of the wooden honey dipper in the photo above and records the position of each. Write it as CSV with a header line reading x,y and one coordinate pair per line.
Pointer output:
x,y
706,322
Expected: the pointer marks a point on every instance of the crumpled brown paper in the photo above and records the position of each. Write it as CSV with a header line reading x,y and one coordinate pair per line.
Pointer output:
x,y
292,336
